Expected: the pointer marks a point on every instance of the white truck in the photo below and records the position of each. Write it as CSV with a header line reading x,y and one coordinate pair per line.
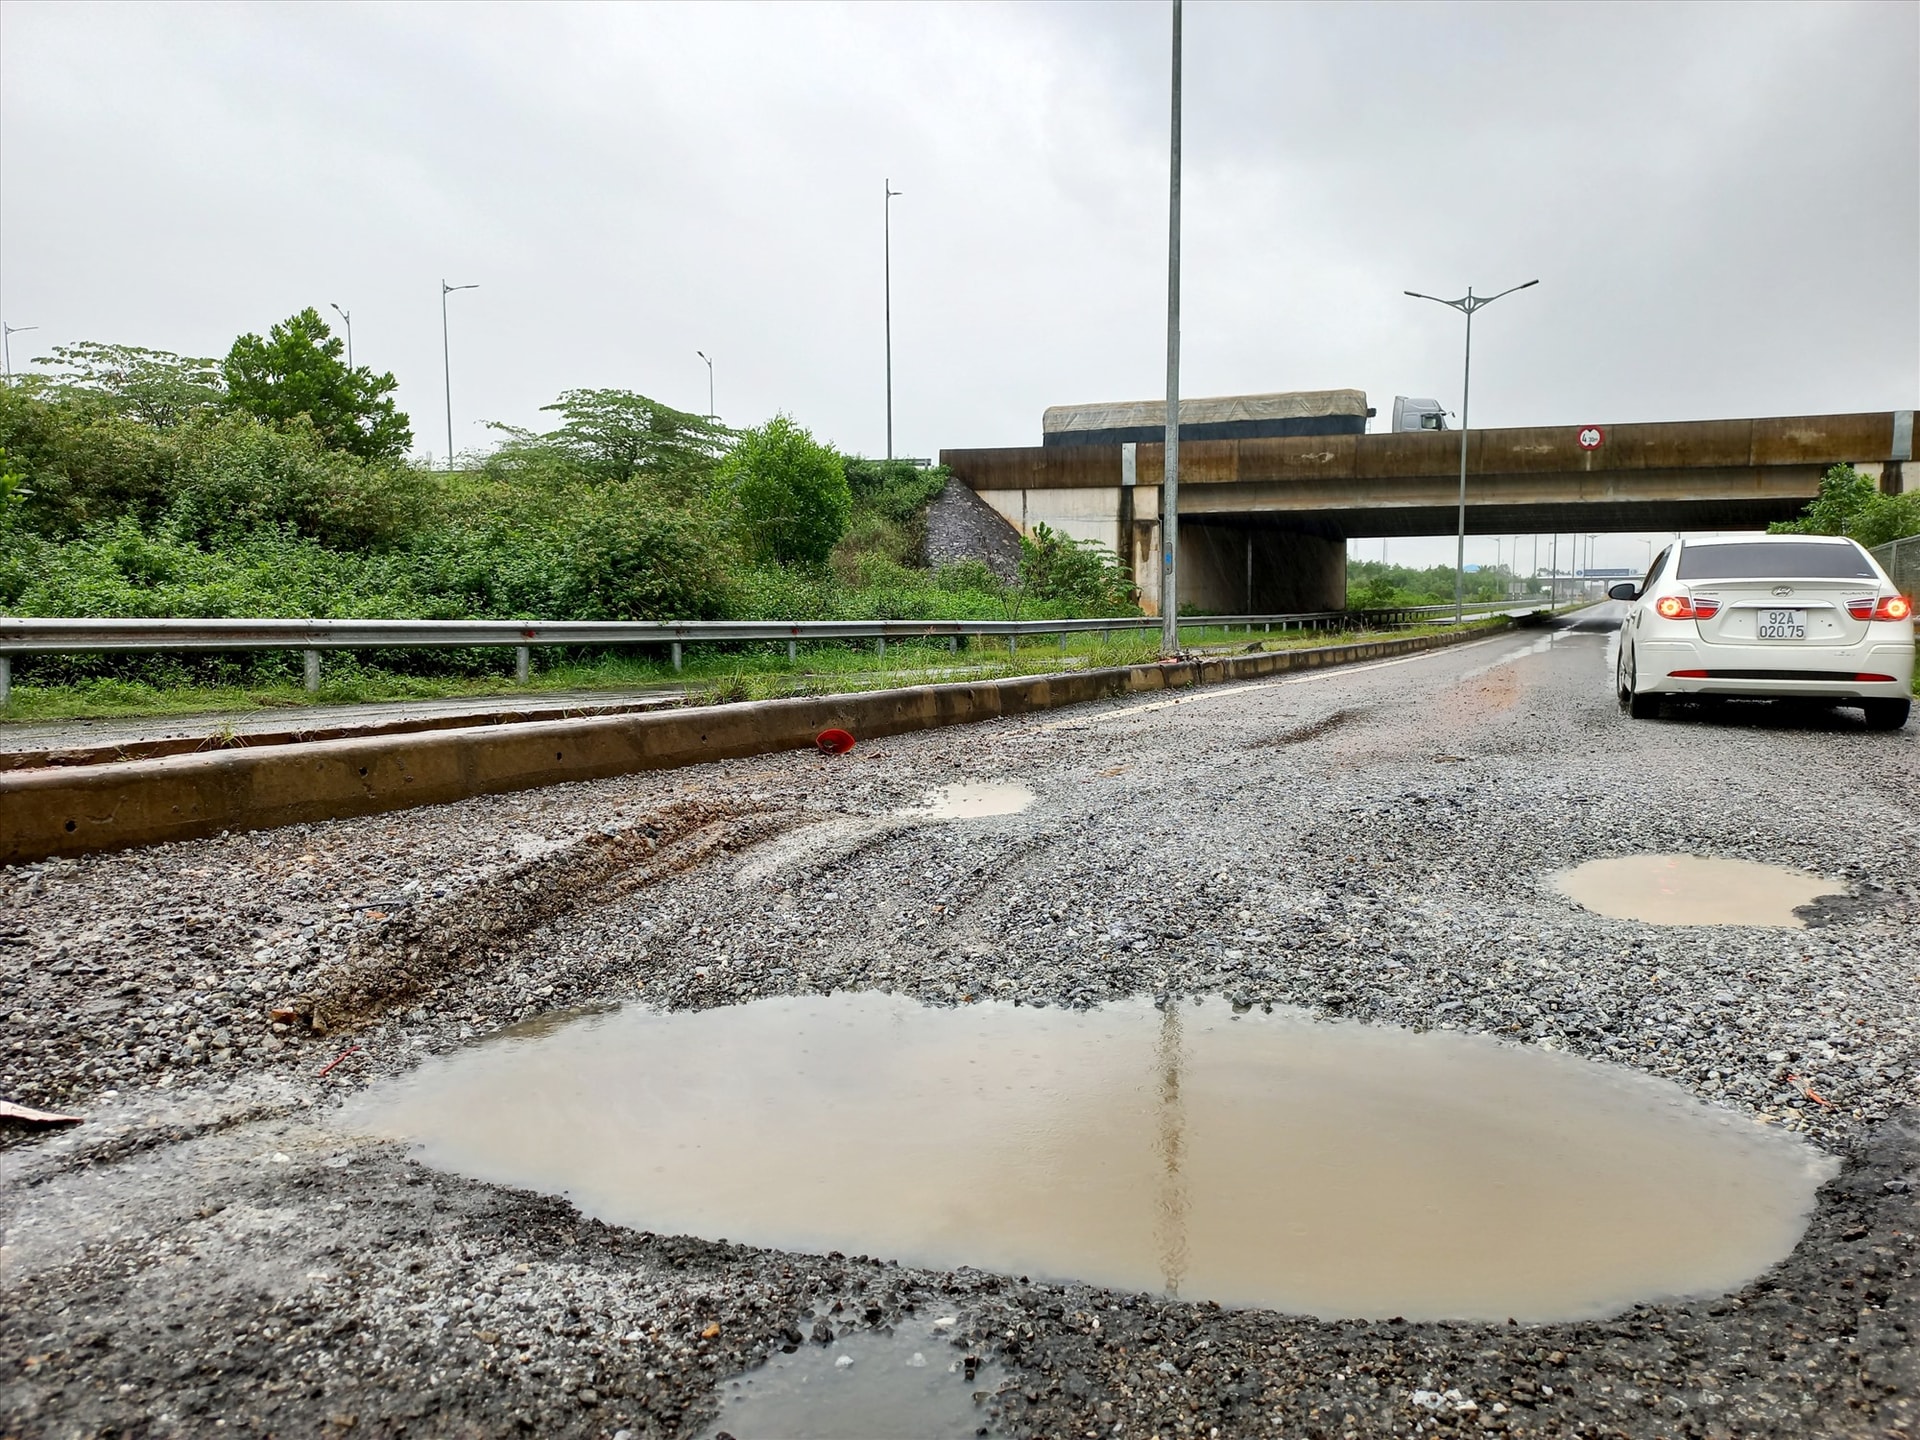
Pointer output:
x,y
1414,414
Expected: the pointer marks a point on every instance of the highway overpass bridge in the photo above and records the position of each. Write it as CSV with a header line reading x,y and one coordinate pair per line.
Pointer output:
x,y
1264,522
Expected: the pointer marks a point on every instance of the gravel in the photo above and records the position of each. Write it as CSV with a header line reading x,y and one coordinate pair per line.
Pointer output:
x,y
1375,843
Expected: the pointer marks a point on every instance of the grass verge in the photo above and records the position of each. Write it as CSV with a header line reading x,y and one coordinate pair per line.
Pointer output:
x,y
744,672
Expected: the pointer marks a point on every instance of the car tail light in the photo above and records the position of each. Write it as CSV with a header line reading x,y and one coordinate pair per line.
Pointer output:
x,y
1686,674
1892,607
1682,607
1874,679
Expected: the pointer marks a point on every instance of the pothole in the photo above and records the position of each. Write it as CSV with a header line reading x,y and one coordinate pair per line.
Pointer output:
x,y
1693,890
865,1385
1310,729
1338,1170
972,800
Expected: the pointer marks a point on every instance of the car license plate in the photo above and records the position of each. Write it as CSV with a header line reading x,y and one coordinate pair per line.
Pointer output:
x,y
1783,624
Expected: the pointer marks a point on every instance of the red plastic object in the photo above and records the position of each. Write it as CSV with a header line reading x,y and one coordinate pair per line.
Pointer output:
x,y
833,742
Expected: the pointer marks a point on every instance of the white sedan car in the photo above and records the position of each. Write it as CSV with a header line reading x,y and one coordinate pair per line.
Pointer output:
x,y
1768,616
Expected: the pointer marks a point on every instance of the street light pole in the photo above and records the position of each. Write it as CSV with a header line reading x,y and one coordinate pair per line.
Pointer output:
x,y
703,355
1170,481
1466,305
7,332
887,254
347,315
446,359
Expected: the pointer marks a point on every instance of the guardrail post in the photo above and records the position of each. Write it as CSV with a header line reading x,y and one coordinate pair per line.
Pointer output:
x,y
6,680
953,643
522,663
793,652
676,655
1013,646
1063,642
312,668
879,647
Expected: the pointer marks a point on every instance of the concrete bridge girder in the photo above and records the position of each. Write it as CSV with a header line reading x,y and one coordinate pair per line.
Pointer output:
x,y
1289,504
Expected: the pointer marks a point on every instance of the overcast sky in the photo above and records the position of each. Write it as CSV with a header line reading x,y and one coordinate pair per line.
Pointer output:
x,y
1722,204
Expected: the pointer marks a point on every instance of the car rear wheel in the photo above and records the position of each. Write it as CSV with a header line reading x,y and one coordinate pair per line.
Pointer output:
x,y
1640,707
1886,714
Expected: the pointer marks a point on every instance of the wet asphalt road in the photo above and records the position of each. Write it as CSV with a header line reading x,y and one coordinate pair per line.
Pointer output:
x,y
1373,843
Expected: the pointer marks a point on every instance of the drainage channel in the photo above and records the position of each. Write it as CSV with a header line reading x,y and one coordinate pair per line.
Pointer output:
x,y
1252,1158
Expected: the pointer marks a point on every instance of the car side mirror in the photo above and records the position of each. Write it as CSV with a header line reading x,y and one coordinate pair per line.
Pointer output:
x,y
1625,590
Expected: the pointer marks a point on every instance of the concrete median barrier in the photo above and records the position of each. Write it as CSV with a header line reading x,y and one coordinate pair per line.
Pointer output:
x,y
76,810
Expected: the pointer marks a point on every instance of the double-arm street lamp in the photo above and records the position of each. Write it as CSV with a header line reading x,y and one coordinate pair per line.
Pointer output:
x,y
1466,305
446,360
709,359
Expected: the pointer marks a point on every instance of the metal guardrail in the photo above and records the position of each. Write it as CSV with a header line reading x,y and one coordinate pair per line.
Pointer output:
x,y
34,636
1901,560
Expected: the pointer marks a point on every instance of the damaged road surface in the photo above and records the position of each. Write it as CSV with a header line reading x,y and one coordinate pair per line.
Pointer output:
x,y
235,1242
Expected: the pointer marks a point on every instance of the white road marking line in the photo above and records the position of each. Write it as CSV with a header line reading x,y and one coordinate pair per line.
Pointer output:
x,y
1221,692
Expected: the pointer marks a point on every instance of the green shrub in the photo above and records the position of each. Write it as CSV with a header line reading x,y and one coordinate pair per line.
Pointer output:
x,y
1077,573
787,493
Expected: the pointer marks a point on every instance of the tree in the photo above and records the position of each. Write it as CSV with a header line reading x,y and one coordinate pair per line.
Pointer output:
x,y
788,492
154,387
617,434
297,370
1851,504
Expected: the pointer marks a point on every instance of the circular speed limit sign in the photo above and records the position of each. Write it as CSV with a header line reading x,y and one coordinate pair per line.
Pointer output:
x,y
1591,437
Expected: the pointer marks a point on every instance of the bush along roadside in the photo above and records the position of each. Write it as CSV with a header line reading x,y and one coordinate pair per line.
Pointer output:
x,y
134,483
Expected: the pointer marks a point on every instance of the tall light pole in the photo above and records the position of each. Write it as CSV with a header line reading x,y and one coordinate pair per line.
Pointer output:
x,y
887,254
1170,483
1466,305
347,315
446,359
7,332
703,355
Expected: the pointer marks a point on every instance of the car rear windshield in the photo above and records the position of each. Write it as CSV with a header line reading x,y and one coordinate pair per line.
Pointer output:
x,y
1780,560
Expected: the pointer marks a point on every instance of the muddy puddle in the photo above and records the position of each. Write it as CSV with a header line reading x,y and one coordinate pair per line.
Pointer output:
x,y
865,1385
972,800
1693,890
1334,1169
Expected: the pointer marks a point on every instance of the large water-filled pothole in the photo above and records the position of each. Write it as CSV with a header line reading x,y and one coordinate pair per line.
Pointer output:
x,y
1340,1170
1693,890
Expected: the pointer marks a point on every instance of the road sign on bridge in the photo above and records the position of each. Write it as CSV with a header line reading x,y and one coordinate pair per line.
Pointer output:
x,y
1591,437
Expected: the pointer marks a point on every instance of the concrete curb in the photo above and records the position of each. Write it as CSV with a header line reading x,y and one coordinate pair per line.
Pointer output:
x,y
149,802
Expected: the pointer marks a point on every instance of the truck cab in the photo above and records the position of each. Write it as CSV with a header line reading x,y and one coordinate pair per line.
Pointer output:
x,y
1410,413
